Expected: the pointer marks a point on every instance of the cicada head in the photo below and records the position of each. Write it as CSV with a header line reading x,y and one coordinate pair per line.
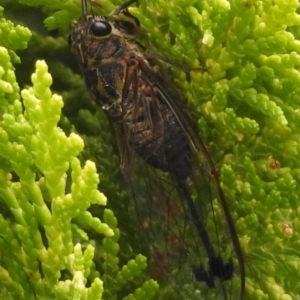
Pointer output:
x,y
94,39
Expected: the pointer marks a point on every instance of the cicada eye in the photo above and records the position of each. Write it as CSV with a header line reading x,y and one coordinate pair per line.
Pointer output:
x,y
98,28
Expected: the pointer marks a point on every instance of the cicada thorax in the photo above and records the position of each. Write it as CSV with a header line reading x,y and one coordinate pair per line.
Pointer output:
x,y
155,134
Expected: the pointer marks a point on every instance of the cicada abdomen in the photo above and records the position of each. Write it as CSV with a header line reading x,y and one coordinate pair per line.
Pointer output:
x,y
161,152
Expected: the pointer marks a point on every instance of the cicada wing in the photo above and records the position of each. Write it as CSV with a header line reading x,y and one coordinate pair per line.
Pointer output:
x,y
186,220
167,227
167,218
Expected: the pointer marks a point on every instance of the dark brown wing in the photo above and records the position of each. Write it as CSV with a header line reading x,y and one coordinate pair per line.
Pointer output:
x,y
186,221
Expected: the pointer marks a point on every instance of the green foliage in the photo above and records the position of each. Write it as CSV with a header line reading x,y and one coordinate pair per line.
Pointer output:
x,y
248,102
46,252
248,106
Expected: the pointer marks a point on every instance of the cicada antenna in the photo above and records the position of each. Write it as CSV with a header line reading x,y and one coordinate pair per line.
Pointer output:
x,y
84,7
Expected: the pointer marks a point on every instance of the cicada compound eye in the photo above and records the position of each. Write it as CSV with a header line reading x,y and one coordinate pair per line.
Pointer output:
x,y
100,28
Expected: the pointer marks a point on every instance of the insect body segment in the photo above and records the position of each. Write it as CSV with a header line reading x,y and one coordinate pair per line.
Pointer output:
x,y
146,112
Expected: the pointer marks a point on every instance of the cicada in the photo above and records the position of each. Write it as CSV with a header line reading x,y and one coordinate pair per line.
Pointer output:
x,y
182,210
